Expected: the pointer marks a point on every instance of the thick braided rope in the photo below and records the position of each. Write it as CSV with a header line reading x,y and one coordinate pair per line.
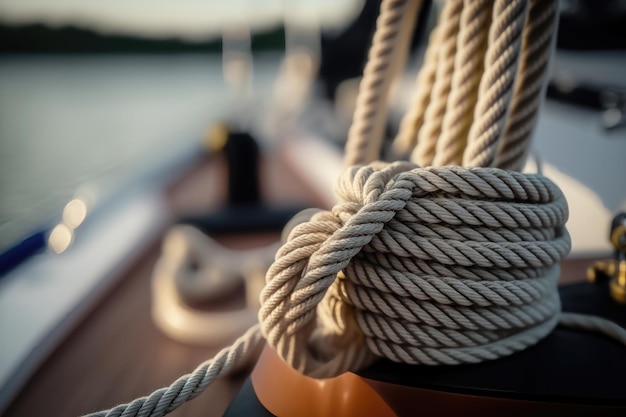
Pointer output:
x,y
387,54
431,266
468,67
497,83
422,266
369,270
594,324
406,139
447,41
533,71
187,387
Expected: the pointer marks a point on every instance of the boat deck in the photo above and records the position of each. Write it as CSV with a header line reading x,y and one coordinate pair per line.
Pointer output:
x,y
117,354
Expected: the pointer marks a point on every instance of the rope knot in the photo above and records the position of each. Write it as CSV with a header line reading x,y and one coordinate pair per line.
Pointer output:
x,y
420,265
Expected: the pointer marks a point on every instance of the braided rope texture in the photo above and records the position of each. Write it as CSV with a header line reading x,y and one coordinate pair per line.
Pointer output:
x,y
480,88
531,80
413,119
187,387
497,83
448,28
373,89
421,266
468,67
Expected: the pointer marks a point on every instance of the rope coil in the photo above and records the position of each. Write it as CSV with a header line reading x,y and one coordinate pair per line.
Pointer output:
x,y
412,297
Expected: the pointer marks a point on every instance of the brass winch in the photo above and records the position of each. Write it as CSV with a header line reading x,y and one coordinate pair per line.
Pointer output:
x,y
613,269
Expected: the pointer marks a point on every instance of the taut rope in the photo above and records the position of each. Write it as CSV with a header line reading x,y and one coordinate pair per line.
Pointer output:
x,y
486,66
423,265
448,29
386,56
532,73
495,92
468,67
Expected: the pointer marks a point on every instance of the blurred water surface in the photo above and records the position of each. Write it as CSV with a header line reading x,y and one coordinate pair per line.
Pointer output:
x,y
67,121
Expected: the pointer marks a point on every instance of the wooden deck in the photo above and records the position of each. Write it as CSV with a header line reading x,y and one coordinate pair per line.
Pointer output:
x,y
117,354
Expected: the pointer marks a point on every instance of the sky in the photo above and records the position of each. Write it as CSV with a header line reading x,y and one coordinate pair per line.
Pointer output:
x,y
182,18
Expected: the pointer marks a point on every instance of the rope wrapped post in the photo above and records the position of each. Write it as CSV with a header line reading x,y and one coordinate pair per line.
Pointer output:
x,y
537,45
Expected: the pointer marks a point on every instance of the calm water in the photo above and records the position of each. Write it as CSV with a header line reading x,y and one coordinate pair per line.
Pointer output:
x,y
67,121
102,121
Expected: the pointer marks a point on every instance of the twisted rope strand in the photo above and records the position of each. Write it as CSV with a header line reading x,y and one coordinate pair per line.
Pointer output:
x,y
455,356
419,266
594,324
496,84
413,119
388,302
429,132
469,253
388,51
190,386
475,214
453,290
532,76
478,234
468,66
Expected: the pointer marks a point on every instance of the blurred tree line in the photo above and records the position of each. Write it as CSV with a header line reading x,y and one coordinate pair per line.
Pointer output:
x,y
40,38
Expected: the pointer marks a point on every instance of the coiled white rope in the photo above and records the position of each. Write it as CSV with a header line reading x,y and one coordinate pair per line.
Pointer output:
x,y
187,387
413,119
420,265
